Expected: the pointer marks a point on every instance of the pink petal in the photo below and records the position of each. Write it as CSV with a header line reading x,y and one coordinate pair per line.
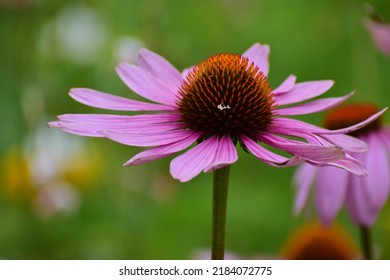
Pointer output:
x,y
350,164
225,154
313,106
301,129
377,181
356,126
286,86
357,204
191,163
160,68
162,151
265,155
309,152
347,142
103,100
304,91
303,179
147,139
129,120
259,55
92,124
384,133
380,33
145,84
330,192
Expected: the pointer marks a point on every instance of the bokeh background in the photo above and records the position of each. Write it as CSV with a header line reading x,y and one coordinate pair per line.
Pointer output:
x,y
67,197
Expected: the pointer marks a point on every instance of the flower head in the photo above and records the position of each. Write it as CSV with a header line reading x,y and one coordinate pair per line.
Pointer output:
x,y
313,241
224,100
364,196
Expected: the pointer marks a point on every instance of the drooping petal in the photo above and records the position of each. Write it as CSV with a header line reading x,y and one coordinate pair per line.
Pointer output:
x,y
377,181
350,164
330,192
313,106
304,130
225,154
265,155
103,100
304,91
145,84
347,142
191,163
357,203
160,68
309,152
258,54
147,139
303,181
286,86
162,151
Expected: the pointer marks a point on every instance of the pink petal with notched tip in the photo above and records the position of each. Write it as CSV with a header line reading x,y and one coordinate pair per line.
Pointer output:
x,y
225,154
160,68
93,125
310,152
265,155
303,91
104,100
304,178
191,163
147,139
95,130
330,192
258,54
162,151
286,86
377,181
135,120
146,84
313,106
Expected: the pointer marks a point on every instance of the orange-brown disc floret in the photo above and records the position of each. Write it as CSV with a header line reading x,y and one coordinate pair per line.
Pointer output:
x,y
226,95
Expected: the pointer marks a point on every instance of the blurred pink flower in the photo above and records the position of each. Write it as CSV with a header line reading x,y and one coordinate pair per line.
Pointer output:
x,y
224,100
380,32
365,196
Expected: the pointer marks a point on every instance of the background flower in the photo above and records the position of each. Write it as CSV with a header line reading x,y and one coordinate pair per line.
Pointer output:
x,y
364,196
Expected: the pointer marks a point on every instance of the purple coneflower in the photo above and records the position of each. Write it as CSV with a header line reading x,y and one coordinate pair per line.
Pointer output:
x,y
220,102
223,101
363,196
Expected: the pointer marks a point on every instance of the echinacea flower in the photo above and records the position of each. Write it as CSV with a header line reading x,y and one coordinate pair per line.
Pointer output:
x,y
379,30
363,196
313,241
224,100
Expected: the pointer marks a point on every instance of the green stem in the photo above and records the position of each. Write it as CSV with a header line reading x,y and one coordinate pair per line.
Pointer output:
x,y
220,193
366,242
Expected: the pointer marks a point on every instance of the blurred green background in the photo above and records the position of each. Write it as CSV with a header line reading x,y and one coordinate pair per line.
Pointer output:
x,y
68,197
